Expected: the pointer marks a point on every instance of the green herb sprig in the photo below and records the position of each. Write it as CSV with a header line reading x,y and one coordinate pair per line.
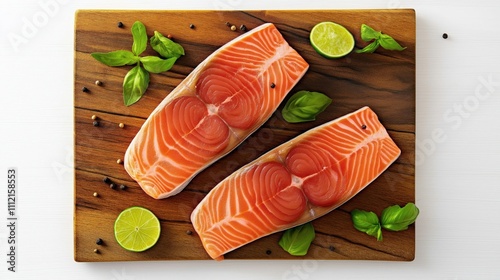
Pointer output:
x,y
296,241
367,222
304,106
394,218
136,81
379,39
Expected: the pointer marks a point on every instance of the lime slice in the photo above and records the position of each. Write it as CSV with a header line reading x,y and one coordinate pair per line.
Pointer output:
x,y
137,229
331,40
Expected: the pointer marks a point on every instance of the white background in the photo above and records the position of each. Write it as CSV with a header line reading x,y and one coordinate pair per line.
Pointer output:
x,y
458,186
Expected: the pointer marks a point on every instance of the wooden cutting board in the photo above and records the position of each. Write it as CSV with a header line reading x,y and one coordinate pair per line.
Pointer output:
x,y
384,80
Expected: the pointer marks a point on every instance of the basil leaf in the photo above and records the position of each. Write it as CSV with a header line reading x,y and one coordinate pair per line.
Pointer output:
x,y
296,241
135,84
370,48
388,43
140,38
116,58
305,106
368,33
165,47
367,222
396,218
380,39
154,64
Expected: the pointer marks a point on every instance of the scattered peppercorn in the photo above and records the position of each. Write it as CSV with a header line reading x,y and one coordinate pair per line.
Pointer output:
x,y
273,85
363,126
112,186
121,125
119,24
96,194
268,252
243,28
445,36
95,123
99,241
228,24
96,251
119,161
85,89
233,27
98,83
188,232
331,248
191,26
123,187
106,180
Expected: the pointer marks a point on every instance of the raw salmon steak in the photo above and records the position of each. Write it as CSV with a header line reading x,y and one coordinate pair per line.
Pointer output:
x,y
294,183
219,104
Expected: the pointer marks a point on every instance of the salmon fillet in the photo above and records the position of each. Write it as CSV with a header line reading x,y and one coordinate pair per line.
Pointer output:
x,y
219,104
294,183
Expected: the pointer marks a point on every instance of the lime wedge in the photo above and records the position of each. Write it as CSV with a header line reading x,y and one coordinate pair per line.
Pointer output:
x,y
137,229
331,40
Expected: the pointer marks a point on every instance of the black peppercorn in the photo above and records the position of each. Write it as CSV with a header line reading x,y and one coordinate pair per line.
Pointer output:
x,y
123,187
85,89
243,28
99,241
188,232
112,186
363,126
445,36
191,26
119,24
273,85
331,248
268,252
95,123
106,180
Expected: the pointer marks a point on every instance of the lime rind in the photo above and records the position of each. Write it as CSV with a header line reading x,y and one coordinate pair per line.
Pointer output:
x,y
331,40
137,229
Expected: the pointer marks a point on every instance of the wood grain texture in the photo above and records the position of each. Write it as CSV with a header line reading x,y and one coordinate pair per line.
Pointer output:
x,y
384,80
